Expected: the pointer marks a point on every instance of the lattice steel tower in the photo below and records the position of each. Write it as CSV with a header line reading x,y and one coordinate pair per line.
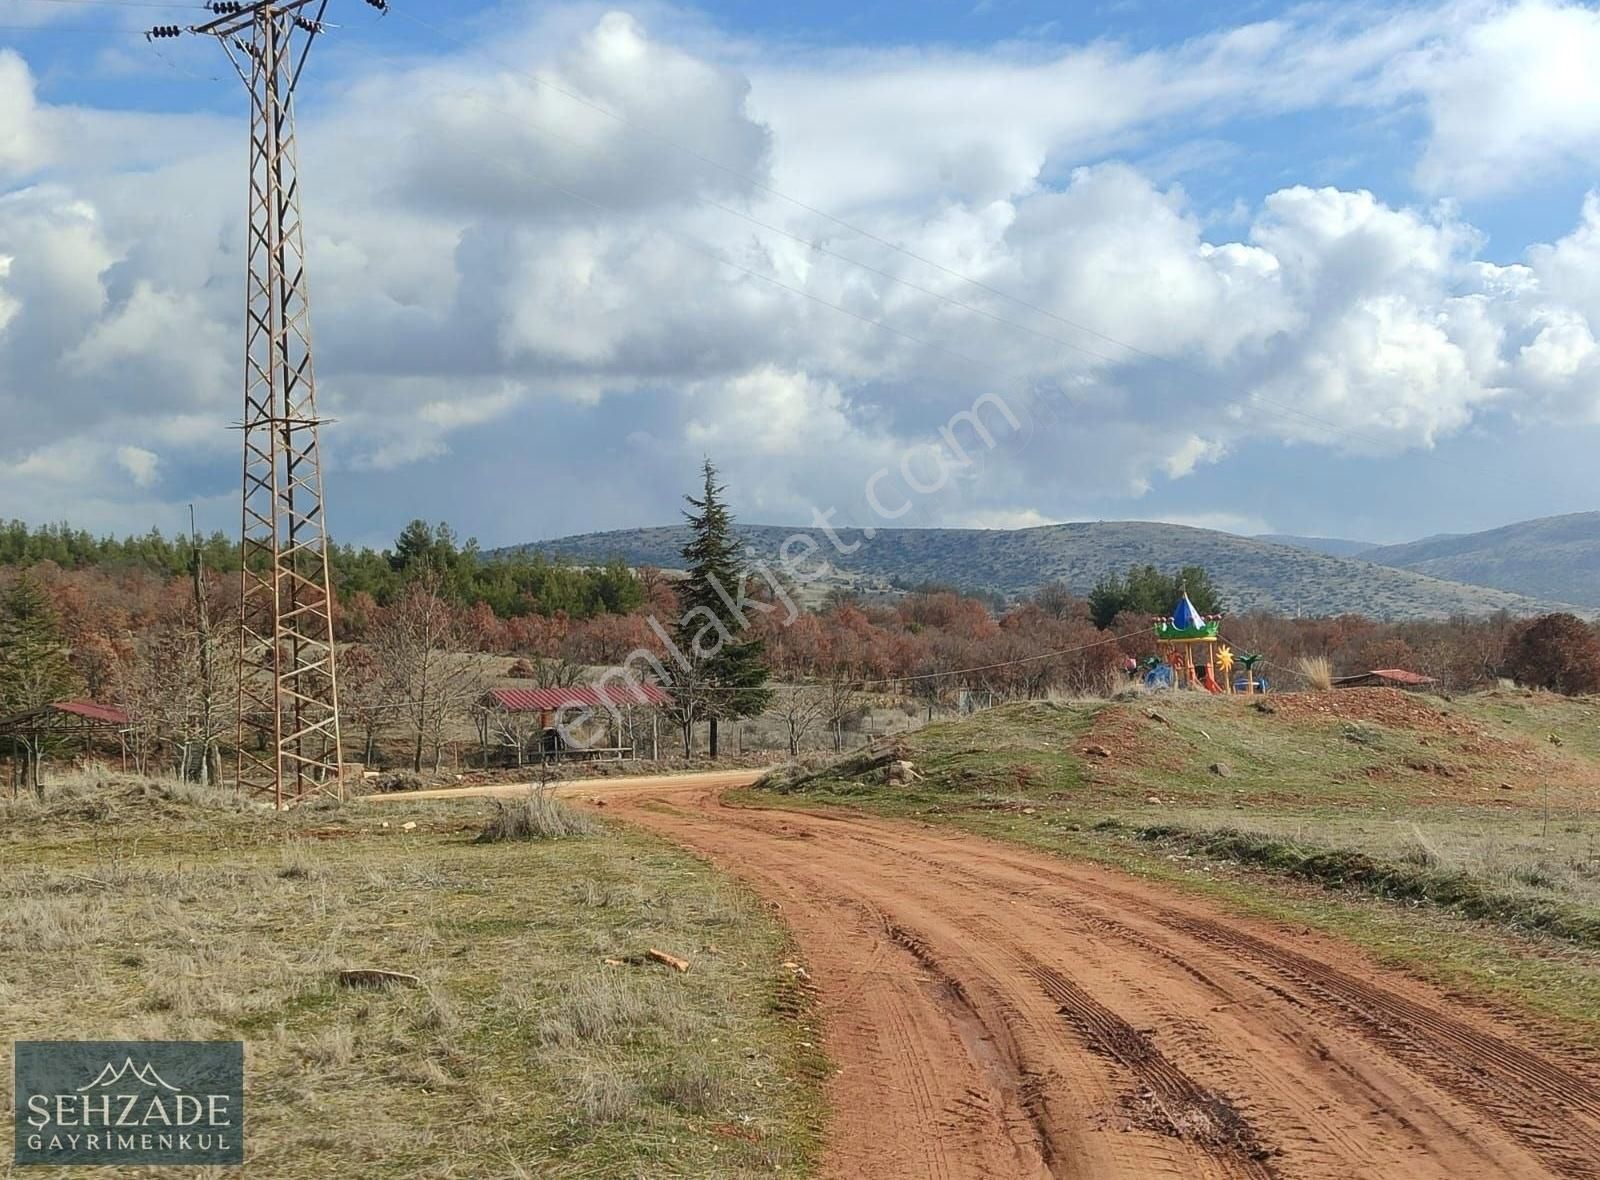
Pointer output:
x,y
288,690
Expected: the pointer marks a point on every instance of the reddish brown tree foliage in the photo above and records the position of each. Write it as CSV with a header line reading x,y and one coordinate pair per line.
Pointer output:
x,y
1559,652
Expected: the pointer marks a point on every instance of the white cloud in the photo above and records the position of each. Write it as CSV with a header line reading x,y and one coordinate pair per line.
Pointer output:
x,y
143,466
1244,524
455,288
20,145
768,411
1190,453
1510,96
1003,518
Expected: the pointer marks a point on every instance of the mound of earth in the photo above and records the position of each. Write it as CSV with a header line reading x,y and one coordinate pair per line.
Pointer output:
x,y
1379,706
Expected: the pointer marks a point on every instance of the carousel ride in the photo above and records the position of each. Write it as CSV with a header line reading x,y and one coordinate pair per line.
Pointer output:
x,y
1190,654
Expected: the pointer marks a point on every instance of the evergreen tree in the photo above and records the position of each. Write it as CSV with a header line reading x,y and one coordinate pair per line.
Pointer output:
x,y
510,583
1146,590
34,665
1194,580
727,676
1108,599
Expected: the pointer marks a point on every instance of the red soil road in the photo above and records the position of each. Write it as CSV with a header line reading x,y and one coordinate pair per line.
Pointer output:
x,y
584,788
997,1013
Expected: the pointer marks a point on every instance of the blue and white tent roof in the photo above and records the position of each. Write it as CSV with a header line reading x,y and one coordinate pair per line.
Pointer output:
x,y
1185,617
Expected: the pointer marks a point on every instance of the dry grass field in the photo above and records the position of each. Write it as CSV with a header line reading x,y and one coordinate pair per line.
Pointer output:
x,y
537,1040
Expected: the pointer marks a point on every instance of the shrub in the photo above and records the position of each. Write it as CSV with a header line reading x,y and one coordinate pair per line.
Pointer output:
x,y
1317,671
536,816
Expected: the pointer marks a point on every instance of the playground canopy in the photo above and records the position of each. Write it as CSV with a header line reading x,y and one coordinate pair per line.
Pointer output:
x,y
1178,635
1186,625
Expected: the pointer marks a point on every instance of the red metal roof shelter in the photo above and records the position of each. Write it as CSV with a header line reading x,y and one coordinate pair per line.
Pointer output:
x,y
588,696
29,729
66,715
1379,677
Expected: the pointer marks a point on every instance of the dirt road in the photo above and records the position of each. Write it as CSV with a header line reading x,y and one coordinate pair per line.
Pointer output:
x,y
996,1013
582,788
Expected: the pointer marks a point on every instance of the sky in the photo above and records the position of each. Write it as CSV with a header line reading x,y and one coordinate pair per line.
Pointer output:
x,y
1318,269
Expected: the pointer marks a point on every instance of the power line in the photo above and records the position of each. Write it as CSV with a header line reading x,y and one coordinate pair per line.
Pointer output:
x,y
79,30
116,4
86,30
287,684
1253,399
1047,655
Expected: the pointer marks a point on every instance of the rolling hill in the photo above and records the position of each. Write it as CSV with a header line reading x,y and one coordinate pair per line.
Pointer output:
x,y
1553,557
1250,573
1332,546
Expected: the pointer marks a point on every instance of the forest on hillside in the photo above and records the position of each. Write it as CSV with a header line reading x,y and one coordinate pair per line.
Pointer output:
x,y
508,585
122,623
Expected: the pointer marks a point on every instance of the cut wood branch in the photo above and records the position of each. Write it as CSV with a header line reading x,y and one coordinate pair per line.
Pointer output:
x,y
376,977
670,960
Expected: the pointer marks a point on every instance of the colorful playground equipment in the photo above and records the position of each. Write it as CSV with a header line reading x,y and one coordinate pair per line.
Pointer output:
x,y
1186,642
1190,654
1250,683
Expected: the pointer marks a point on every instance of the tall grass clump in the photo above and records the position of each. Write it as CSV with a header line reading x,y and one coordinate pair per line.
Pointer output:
x,y
536,816
1318,672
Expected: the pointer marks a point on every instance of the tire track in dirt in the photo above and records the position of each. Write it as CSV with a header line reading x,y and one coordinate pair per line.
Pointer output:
x,y
1496,1075
1000,1013
1507,1082
1186,1109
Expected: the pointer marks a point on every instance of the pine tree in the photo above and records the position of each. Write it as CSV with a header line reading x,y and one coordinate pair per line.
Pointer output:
x,y
34,665
1146,590
727,676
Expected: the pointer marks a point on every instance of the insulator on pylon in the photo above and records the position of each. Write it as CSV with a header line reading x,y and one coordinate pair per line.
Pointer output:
x,y
380,5
309,25
225,7
163,32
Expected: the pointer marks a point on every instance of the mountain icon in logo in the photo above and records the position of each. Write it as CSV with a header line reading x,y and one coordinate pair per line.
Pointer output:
x,y
112,1074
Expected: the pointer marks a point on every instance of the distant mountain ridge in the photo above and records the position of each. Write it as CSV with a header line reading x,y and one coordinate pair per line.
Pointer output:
x,y
1552,557
1249,572
1332,546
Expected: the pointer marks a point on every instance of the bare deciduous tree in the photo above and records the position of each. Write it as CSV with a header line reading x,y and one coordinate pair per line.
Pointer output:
x,y
840,699
170,681
801,708
556,672
362,691
430,679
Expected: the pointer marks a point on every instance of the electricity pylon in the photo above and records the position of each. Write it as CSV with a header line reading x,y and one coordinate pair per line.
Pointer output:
x,y
288,734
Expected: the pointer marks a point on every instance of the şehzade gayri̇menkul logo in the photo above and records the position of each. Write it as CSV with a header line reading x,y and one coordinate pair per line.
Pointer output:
x,y
130,1102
